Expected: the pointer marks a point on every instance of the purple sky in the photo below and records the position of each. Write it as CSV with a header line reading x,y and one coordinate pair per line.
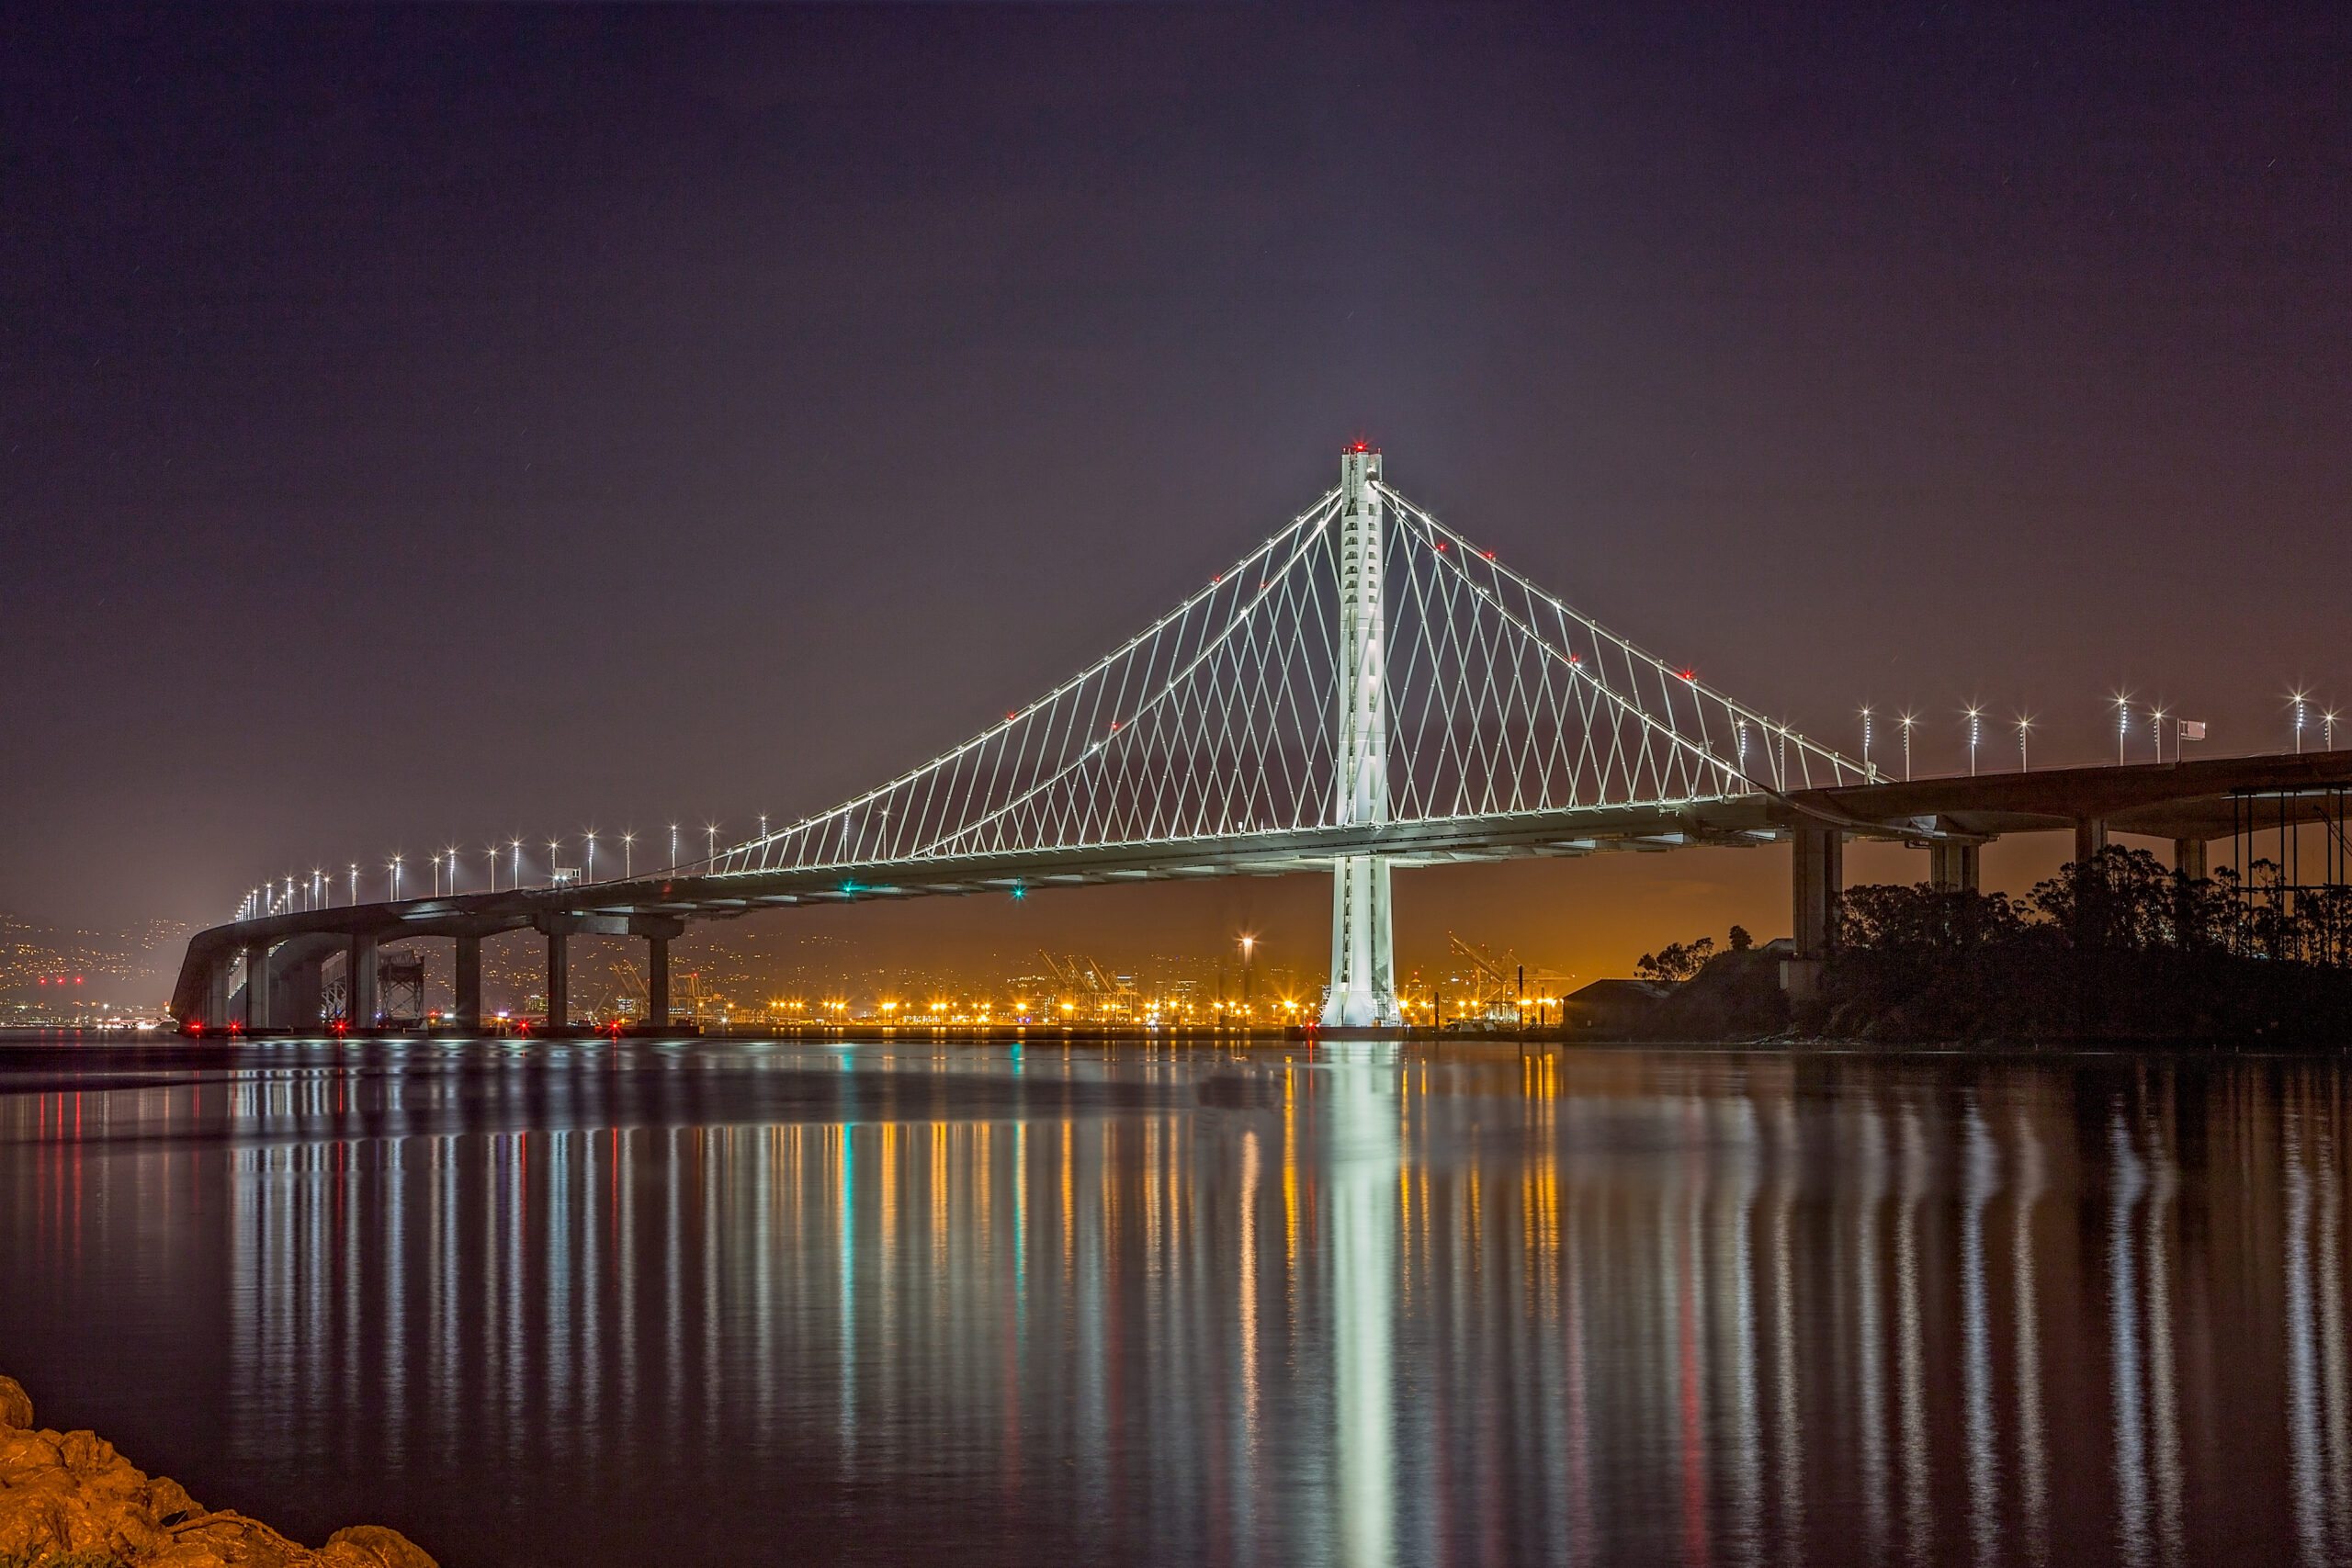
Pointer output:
x,y
442,424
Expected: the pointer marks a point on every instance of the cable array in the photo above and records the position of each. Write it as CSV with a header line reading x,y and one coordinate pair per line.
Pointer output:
x,y
1217,719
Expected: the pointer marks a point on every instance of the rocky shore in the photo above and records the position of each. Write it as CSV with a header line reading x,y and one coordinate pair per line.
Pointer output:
x,y
68,1500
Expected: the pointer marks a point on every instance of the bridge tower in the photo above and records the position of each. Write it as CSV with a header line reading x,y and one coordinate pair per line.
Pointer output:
x,y
1364,934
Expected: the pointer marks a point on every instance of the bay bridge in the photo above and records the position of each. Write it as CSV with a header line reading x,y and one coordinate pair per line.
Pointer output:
x,y
1366,690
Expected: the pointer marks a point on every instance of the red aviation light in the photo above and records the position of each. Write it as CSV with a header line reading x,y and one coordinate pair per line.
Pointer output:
x,y
1689,673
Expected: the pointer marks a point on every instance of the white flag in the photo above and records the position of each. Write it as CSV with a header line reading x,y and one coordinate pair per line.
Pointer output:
x,y
2192,729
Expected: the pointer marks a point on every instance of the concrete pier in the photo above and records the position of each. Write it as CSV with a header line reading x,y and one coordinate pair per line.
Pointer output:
x,y
657,981
257,985
467,983
359,983
1817,876
1952,865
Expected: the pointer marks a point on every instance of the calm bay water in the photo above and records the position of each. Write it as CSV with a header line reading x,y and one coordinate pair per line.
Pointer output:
x,y
737,1302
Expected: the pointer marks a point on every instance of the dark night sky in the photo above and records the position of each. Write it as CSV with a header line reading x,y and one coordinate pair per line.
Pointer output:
x,y
443,423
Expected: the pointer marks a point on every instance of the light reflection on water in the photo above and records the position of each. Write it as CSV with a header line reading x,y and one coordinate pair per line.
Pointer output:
x,y
731,1301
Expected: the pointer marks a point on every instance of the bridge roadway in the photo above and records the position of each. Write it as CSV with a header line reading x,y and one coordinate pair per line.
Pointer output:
x,y
2190,803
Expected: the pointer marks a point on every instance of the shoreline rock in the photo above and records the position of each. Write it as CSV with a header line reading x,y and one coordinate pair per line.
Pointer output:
x,y
67,1498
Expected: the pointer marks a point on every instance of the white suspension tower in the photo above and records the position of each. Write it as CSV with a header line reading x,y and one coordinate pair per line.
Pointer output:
x,y
1363,936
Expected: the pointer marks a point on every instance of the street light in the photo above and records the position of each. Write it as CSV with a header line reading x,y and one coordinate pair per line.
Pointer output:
x,y
673,845
555,851
2298,697
590,872
2327,718
1975,733
396,879
492,854
2122,723
628,857
2156,722
354,881
710,841
1866,742
2025,723
517,883
1909,720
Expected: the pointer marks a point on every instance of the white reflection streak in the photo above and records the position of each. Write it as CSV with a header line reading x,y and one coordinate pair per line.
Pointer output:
x,y
1869,1333
1918,1526
2331,1325
2131,1444
1788,1435
1984,1477
1363,1276
2164,1400
1747,1470
2033,1458
1249,1294
2303,1387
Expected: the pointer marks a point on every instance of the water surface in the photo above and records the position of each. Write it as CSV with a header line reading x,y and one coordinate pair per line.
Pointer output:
x,y
735,1302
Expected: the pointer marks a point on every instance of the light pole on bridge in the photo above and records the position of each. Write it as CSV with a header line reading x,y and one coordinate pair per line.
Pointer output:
x,y
2025,723
1975,733
396,879
629,857
589,873
1909,720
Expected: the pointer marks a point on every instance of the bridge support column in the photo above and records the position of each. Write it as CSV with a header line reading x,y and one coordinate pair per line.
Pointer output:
x,y
216,994
1364,937
468,982
294,997
2189,858
359,984
1818,875
559,978
2090,836
1363,947
256,985
657,981
1952,866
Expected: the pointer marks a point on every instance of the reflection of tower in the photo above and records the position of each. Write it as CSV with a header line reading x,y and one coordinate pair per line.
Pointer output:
x,y
1361,1119
1363,991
